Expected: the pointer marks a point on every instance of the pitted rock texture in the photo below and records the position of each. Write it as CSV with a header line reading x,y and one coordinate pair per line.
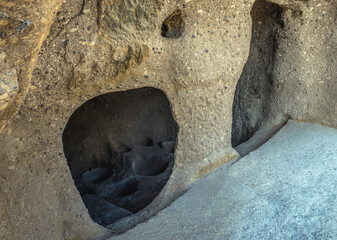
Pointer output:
x,y
290,72
102,46
255,88
24,25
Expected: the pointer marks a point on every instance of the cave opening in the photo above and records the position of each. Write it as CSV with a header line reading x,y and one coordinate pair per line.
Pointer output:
x,y
255,89
120,150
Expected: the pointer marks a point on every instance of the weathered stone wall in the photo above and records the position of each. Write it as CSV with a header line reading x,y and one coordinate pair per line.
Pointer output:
x,y
24,26
305,63
291,70
101,46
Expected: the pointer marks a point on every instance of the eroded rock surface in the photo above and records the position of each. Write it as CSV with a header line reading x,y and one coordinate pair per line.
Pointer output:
x,y
290,72
23,28
96,47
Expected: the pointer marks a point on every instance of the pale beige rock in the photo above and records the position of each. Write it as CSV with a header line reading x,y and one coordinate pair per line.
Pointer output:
x,y
24,26
97,47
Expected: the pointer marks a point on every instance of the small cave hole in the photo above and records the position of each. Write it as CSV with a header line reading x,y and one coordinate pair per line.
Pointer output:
x,y
174,25
120,150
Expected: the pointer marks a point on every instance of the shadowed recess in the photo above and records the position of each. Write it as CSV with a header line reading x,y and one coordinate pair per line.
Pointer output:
x,y
174,25
255,88
120,151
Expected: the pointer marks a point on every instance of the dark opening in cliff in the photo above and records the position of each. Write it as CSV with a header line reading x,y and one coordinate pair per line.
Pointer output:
x,y
254,90
120,150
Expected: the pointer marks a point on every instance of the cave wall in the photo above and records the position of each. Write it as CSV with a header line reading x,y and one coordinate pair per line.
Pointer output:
x,y
24,25
305,64
254,90
290,72
113,123
100,46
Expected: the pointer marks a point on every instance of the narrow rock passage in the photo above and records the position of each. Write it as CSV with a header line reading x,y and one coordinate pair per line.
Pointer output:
x,y
286,189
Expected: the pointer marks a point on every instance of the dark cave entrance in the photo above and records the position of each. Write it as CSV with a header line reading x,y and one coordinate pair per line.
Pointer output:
x,y
255,88
120,150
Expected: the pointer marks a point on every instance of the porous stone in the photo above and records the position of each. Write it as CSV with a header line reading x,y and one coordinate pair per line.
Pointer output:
x,y
284,78
98,47
174,25
23,28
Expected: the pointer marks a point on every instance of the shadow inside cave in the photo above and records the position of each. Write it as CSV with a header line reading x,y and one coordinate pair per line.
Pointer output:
x,y
120,150
255,89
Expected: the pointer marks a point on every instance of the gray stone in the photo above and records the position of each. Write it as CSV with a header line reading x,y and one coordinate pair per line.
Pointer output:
x,y
86,188
102,211
96,175
3,15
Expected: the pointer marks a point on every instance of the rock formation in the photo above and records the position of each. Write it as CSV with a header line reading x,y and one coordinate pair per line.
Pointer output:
x,y
250,63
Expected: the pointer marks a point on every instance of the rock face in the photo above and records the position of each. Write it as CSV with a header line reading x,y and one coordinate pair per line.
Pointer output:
x,y
23,28
120,148
290,72
55,58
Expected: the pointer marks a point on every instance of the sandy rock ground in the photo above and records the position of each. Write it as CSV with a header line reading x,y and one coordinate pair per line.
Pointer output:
x,y
286,189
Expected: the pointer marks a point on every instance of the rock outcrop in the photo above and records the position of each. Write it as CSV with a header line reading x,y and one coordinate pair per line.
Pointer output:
x,y
56,55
